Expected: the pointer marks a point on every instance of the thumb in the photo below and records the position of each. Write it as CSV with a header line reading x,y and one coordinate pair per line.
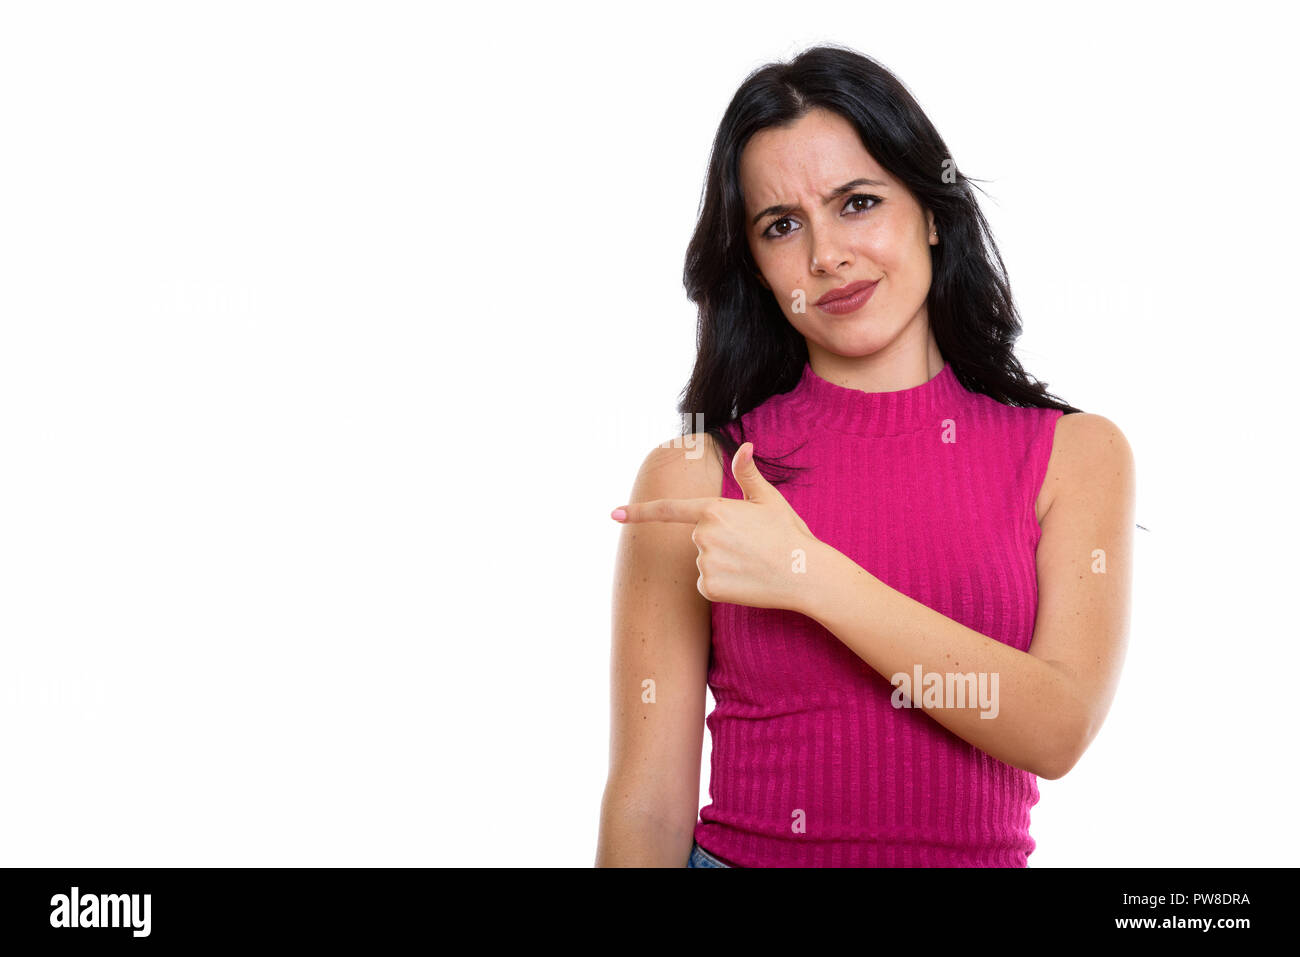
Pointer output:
x,y
751,482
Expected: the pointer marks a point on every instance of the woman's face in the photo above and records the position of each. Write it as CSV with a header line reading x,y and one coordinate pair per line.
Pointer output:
x,y
817,231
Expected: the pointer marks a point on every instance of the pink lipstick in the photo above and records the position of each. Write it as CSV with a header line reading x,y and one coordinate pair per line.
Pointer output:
x,y
850,298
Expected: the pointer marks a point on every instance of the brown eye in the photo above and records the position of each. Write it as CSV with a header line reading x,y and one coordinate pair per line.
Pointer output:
x,y
856,198
875,200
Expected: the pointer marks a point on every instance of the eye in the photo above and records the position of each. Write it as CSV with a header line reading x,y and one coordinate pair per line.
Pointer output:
x,y
863,196
855,198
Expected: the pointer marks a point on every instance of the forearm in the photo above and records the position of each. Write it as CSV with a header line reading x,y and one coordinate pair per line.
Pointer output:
x,y
1036,720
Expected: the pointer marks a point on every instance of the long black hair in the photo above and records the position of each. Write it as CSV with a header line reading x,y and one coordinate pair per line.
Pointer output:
x,y
746,348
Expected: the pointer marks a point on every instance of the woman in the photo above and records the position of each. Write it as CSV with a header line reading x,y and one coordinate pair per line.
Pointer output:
x,y
920,602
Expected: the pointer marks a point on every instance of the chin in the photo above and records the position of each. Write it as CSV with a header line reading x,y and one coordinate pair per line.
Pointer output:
x,y
852,346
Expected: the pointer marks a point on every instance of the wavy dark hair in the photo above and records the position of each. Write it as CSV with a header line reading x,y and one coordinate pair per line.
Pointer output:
x,y
746,348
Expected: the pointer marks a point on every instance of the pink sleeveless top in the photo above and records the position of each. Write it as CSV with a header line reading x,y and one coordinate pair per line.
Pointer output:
x,y
932,490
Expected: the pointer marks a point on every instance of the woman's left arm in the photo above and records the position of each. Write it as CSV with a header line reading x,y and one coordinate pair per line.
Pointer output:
x,y
1051,699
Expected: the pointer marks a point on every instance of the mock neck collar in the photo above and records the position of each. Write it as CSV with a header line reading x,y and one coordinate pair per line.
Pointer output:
x,y
877,413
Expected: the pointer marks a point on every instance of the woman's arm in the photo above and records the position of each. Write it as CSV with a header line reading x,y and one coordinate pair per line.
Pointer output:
x,y
1052,699
661,633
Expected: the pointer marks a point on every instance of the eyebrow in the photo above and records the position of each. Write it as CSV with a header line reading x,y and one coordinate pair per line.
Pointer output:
x,y
836,192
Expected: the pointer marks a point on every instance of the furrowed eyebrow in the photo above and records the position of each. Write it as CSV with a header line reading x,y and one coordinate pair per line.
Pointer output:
x,y
837,192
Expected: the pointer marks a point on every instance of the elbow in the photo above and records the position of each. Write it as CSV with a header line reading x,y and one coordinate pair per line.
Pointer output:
x,y
1056,767
1064,754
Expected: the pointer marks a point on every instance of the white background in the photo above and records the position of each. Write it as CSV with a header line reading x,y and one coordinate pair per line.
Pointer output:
x,y
330,334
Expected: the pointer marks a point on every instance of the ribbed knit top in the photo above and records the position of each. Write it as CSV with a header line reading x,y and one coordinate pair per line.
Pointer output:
x,y
932,490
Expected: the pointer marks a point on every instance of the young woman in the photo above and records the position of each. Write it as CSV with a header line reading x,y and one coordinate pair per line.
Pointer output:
x,y
919,603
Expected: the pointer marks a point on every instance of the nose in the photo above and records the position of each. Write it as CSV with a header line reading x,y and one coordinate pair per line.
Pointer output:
x,y
827,253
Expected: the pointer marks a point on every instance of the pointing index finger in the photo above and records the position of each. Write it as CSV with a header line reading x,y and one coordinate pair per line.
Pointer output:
x,y
687,510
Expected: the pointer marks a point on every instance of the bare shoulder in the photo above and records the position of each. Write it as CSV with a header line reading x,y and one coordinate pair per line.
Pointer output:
x,y
1088,451
687,466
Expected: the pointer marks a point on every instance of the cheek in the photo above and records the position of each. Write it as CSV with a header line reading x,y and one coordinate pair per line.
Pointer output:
x,y
900,258
883,247
784,273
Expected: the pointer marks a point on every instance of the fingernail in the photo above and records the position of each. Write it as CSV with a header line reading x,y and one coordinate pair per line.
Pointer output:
x,y
618,514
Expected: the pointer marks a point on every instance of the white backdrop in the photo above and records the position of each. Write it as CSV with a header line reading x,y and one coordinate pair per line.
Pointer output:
x,y
330,333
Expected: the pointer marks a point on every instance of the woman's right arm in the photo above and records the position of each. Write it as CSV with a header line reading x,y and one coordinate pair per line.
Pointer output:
x,y
661,631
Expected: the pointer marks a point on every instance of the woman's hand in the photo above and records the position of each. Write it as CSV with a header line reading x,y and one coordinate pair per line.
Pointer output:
x,y
753,551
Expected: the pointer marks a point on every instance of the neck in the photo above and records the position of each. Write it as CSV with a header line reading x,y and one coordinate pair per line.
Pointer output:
x,y
889,370
919,403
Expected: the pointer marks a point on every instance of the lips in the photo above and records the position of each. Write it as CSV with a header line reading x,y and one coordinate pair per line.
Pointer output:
x,y
845,291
